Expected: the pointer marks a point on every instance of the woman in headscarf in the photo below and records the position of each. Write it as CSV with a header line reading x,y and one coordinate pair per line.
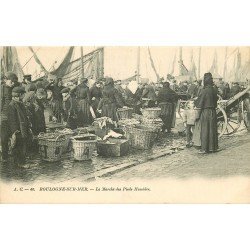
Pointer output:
x,y
207,103
167,99
83,103
110,101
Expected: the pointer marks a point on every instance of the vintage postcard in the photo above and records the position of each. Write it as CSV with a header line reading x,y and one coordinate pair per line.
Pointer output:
x,y
117,124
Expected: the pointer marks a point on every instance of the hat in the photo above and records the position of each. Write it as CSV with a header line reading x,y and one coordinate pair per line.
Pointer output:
x,y
27,77
83,79
16,91
109,80
208,78
28,96
166,84
31,87
11,76
65,90
41,93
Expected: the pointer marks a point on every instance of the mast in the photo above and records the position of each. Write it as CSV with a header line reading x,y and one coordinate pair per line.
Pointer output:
x,y
82,65
225,66
199,63
180,61
153,65
138,65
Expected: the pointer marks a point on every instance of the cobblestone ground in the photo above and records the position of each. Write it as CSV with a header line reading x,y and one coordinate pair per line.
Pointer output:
x,y
68,169
232,160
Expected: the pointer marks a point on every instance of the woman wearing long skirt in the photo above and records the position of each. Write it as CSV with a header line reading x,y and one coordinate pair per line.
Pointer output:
x,y
167,99
207,102
111,100
83,104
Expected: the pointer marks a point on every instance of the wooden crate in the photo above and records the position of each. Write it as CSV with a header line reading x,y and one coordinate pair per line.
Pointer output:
x,y
114,147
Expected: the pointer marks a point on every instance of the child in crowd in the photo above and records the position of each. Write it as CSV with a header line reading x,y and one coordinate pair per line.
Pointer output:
x,y
189,118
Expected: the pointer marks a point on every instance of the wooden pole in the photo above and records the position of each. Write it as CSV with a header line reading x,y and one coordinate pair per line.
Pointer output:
x,y
199,64
82,65
138,65
180,61
225,66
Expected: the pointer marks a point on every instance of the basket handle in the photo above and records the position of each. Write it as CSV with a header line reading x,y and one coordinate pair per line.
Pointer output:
x,y
59,136
41,134
82,130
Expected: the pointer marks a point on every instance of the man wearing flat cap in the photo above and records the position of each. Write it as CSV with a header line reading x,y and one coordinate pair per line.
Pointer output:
x,y
26,82
19,125
10,81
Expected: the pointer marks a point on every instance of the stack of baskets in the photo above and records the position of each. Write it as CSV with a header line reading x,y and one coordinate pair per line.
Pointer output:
x,y
140,137
51,146
151,113
151,119
124,113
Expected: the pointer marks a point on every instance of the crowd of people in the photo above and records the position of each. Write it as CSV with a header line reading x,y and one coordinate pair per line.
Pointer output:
x,y
26,106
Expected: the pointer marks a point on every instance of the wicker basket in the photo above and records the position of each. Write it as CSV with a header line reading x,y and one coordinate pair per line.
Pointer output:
x,y
141,137
51,146
151,113
83,146
124,113
67,146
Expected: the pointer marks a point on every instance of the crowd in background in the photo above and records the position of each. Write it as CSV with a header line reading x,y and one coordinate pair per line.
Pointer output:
x,y
26,107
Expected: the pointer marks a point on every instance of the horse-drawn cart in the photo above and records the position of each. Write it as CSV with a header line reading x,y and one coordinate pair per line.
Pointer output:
x,y
230,113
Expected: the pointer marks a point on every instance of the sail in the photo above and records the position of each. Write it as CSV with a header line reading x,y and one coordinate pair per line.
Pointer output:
x,y
38,60
61,70
10,62
192,70
214,68
93,66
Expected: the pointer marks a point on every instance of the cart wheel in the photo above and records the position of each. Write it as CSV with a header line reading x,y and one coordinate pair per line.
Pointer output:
x,y
246,113
234,118
221,121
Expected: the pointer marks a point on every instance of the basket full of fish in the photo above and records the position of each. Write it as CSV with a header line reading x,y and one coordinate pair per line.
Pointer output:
x,y
151,113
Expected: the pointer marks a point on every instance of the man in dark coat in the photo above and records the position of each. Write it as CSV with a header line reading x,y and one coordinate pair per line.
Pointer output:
x,y
95,95
207,103
166,100
111,100
193,89
149,92
10,82
19,125
235,89
69,109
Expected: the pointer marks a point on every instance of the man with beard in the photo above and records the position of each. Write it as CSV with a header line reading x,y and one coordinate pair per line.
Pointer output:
x,y
166,100
207,103
10,81
19,126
